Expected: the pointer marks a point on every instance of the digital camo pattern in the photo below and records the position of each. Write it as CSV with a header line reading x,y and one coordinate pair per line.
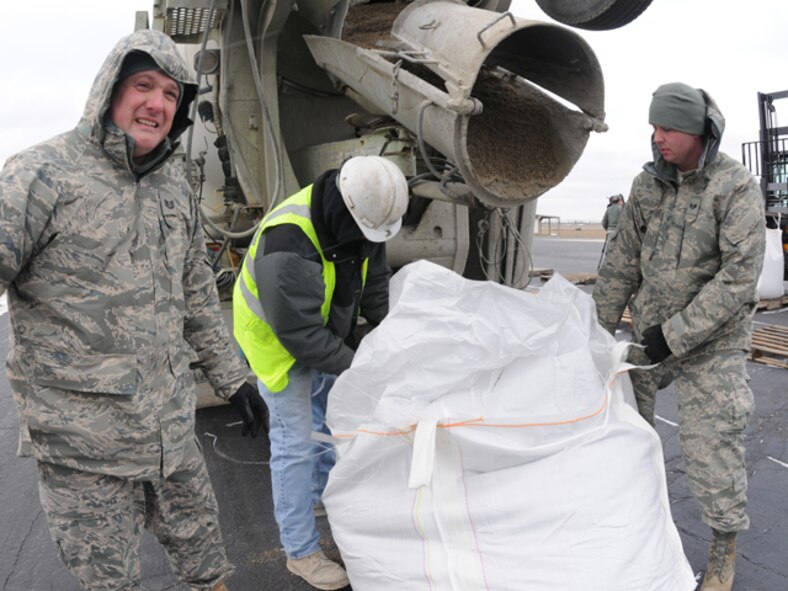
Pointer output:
x,y
110,294
715,405
162,49
91,516
687,255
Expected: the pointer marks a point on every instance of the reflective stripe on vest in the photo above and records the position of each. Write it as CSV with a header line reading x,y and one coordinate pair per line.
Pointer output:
x,y
269,360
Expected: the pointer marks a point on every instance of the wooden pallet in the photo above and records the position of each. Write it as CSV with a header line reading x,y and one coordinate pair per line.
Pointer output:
x,y
575,278
773,304
770,345
541,272
581,278
626,318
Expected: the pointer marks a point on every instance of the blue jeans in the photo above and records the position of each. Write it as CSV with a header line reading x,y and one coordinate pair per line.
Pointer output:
x,y
299,465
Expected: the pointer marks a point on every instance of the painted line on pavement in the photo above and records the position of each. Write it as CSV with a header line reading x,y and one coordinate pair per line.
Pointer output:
x,y
783,464
659,418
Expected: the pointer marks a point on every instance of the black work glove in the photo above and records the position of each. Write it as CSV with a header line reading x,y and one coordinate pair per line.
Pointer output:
x,y
251,407
656,346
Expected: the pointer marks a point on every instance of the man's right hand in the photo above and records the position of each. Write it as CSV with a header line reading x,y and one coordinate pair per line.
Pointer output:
x,y
251,407
657,347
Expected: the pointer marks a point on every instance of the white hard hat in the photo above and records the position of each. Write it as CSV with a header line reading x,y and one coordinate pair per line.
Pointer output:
x,y
376,194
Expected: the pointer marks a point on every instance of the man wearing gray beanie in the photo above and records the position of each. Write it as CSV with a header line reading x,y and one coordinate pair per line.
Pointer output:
x,y
686,258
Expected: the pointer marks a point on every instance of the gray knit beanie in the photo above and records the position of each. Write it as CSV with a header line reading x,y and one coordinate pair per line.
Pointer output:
x,y
678,106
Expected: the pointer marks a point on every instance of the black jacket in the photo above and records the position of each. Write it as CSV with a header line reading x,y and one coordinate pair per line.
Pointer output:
x,y
291,288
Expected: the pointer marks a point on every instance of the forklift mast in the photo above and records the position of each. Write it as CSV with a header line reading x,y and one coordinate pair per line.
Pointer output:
x,y
767,159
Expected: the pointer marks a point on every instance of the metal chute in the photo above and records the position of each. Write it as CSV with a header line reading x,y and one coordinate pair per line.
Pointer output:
x,y
509,101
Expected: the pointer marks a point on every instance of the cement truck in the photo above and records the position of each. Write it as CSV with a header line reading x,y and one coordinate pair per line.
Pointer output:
x,y
482,110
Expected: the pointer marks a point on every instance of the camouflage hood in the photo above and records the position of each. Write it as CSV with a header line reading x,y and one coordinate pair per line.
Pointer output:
x,y
164,52
715,125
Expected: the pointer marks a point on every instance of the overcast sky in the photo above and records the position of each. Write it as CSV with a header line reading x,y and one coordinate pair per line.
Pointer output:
x,y
730,48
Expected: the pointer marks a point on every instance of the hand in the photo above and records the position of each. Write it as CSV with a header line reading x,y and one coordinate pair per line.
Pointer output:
x,y
656,346
251,407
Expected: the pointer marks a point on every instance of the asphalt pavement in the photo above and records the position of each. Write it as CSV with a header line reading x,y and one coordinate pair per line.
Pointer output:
x,y
28,561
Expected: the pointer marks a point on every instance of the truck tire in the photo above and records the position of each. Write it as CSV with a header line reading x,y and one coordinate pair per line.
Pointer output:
x,y
594,15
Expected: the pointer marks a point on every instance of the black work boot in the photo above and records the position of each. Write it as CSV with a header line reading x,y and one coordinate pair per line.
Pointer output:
x,y
722,562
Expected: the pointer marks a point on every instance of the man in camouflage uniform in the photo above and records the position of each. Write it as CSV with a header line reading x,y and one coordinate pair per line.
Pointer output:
x,y
612,214
686,257
111,298
610,221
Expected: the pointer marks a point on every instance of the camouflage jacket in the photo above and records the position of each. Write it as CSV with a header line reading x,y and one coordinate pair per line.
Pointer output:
x,y
688,251
110,293
611,217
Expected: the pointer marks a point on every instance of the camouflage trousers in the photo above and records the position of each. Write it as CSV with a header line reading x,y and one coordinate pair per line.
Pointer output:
x,y
715,403
96,520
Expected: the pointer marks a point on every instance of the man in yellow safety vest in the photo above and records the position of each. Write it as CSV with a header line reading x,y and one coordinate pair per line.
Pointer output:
x,y
316,262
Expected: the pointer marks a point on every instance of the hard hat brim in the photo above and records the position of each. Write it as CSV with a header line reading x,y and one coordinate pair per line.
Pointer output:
x,y
379,234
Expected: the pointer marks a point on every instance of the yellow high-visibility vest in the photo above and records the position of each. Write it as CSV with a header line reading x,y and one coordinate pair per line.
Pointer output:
x,y
269,360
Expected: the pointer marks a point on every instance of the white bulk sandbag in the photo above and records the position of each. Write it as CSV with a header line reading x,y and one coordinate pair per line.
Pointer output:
x,y
487,440
770,281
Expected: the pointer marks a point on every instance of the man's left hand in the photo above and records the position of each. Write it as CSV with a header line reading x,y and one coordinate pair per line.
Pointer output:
x,y
656,346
